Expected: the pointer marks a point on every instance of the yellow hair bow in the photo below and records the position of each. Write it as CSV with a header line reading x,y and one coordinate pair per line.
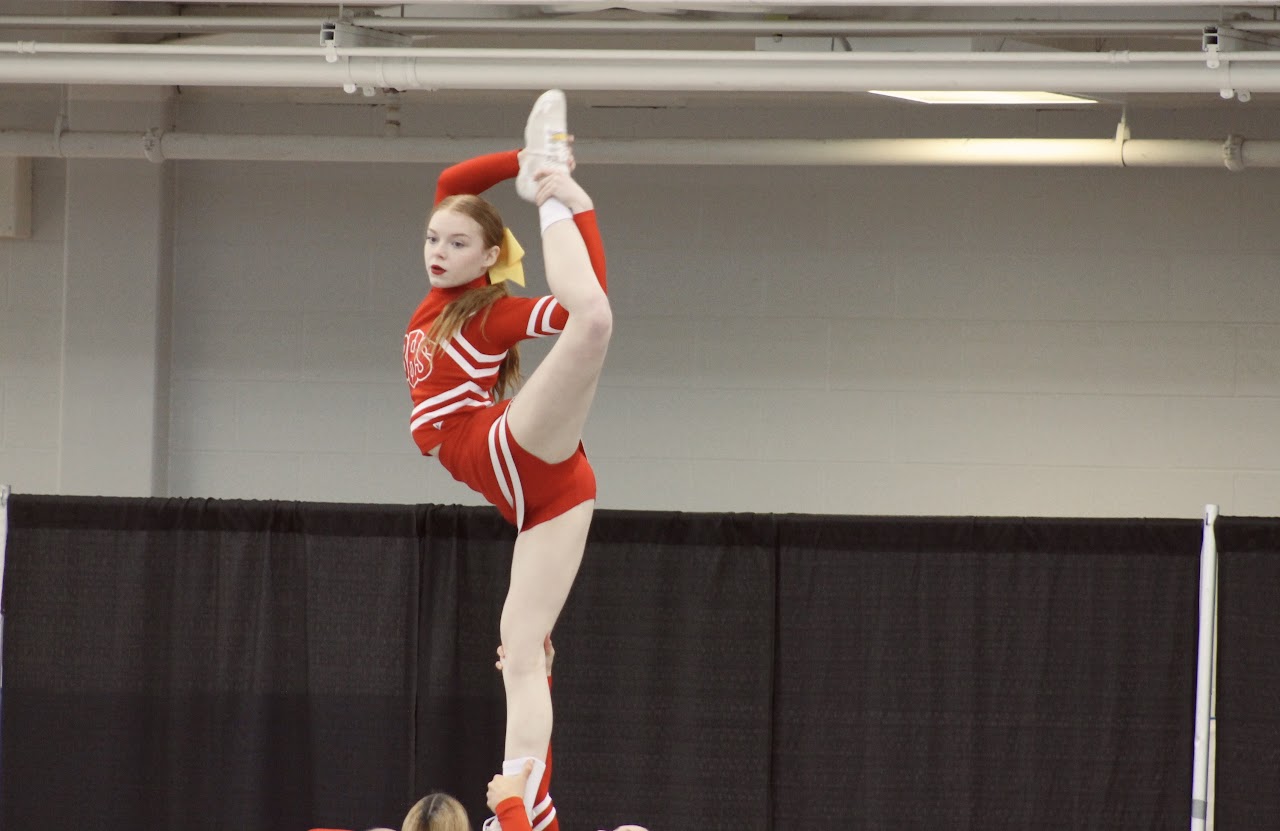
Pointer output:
x,y
508,266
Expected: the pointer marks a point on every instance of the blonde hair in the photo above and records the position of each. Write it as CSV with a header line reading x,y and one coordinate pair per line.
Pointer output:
x,y
479,300
436,812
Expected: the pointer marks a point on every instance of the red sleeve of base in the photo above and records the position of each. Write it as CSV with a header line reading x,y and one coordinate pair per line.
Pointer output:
x,y
512,816
546,776
545,785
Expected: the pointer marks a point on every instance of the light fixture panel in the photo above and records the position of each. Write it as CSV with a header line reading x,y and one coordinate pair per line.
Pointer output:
x,y
960,96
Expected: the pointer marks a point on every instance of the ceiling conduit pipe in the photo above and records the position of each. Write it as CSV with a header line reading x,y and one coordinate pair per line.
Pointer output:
x,y
188,24
1235,153
477,54
633,70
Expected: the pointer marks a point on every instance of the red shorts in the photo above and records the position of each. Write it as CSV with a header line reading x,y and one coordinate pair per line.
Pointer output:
x,y
480,452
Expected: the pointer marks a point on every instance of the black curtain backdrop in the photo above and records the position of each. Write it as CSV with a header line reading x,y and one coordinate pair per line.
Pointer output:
x,y
973,674
1247,783
279,666
206,665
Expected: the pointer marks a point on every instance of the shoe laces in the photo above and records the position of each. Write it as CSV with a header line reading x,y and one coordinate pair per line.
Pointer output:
x,y
556,149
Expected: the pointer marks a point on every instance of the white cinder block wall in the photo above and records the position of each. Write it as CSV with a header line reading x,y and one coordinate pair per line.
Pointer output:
x,y
993,341
31,300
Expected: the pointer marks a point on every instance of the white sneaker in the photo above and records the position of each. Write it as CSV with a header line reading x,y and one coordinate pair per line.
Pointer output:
x,y
546,142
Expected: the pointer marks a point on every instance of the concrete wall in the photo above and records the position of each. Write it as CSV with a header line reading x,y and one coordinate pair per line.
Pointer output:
x,y
991,341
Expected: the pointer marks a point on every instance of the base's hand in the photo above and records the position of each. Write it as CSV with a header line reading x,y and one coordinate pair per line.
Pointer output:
x,y
504,787
547,649
561,185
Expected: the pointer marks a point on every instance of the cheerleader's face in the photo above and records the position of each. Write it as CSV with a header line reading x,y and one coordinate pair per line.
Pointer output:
x,y
454,252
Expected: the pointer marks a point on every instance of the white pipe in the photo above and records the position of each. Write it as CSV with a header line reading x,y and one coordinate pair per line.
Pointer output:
x,y
625,56
556,25
488,69
1204,669
726,57
1033,152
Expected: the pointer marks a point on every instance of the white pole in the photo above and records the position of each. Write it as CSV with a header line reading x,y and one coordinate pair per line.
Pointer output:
x,y
4,542
1204,670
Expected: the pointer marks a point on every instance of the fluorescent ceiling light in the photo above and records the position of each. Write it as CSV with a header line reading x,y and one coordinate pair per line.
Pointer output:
x,y
980,97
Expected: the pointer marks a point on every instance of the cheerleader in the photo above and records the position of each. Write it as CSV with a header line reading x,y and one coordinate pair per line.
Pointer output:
x,y
522,450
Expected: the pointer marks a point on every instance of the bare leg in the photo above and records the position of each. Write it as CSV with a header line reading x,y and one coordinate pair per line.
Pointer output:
x,y
548,414
543,568
546,419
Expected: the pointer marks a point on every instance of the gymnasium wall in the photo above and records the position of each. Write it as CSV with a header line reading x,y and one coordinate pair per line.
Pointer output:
x,y
859,340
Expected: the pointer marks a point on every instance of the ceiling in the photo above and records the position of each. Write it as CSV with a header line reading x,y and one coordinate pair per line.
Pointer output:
x,y
1143,53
